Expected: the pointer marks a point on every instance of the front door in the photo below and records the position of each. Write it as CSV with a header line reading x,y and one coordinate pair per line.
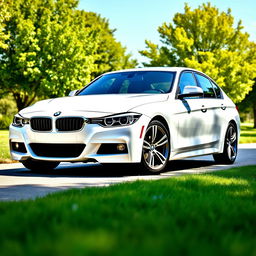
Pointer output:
x,y
195,118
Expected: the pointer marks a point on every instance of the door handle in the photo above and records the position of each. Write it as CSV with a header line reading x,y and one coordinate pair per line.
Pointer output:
x,y
223,107
203,109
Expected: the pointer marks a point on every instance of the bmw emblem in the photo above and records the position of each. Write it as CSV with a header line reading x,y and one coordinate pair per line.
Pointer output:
x,y
57,113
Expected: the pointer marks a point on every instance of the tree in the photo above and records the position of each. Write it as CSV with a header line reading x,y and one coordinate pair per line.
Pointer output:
x,y
248,105
4,16
45,55
52,49
110,54
206,39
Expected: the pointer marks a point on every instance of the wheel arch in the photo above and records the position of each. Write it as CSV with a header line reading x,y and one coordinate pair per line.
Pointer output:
x,y
156,120
162,120
234,123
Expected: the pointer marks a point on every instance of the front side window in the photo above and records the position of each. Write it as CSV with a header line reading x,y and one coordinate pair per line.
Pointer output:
x,y
206,85
186,78
131,82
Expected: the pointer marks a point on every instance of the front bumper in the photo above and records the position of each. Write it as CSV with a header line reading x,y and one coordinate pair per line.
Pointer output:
x,y
92,135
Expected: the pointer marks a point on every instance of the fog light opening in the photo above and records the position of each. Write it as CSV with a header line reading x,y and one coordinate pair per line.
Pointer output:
x,y
121,147
16,146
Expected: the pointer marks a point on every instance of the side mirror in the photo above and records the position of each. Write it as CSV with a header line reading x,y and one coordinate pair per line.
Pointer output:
x,y
191,91
72,93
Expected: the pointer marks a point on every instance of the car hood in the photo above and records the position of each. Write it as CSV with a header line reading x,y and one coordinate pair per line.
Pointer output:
x,y
92,105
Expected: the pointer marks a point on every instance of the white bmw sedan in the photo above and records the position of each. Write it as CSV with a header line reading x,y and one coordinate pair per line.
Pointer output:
x,y
146,116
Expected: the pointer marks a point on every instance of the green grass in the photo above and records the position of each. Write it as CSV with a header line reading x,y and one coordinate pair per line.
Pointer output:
x,y
4,146
248,133
210,214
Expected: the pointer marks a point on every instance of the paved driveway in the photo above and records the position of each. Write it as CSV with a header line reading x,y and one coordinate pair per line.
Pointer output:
x,y
17,183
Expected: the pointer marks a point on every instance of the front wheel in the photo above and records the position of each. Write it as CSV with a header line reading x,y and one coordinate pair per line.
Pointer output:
x,y
156,148
36,165
230,147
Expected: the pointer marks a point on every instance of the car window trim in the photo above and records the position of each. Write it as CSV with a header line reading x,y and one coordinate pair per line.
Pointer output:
x,y
210,80
95,79
184,71
221,94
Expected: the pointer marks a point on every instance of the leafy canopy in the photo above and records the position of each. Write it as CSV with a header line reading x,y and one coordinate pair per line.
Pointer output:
x,y
206,39
248,105
4,16
110,54
54,48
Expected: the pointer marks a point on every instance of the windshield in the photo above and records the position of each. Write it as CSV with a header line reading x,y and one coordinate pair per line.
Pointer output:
x,y
131,82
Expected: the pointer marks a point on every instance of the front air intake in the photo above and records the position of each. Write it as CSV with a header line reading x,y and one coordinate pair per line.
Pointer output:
x,y
57,150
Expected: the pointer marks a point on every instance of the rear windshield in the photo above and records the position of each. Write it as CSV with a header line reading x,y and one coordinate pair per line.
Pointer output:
x,y
131,82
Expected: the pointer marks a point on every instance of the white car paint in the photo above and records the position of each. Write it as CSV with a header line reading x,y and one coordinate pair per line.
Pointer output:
x,y
193,132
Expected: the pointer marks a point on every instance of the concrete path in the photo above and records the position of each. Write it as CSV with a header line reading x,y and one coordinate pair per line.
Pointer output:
x,y
18,183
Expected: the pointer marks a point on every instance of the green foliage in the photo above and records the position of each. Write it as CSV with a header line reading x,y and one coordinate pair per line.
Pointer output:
x,y
248,105
4,16
4,147
248,133
110,54
207,214
52,49
7,106
206,39
7,110
5,121
44,55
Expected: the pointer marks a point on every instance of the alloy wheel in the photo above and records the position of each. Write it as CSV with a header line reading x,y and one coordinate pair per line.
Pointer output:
x,y
155,151
231,143
229,154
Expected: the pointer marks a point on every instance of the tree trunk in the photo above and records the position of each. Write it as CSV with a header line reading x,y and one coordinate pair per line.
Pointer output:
x,y
254,115
19,101
23,101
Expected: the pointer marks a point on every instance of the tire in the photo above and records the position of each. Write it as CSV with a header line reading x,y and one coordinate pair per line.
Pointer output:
x,y
156,148
230,147
36,165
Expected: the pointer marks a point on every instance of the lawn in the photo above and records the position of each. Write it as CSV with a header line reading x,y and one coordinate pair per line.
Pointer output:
x,y
206,214
248,135
4,147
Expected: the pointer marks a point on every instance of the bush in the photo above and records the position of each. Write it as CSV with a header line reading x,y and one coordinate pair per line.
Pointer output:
x,y
5,121
7,110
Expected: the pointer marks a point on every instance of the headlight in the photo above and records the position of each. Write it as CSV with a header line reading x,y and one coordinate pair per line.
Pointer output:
x,y
19,121
117,120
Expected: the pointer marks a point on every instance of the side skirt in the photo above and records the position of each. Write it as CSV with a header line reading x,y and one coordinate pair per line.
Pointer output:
x,y
198,150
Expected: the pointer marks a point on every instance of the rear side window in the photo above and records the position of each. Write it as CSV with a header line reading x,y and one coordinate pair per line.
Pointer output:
x,y
186,78
217,90
206,85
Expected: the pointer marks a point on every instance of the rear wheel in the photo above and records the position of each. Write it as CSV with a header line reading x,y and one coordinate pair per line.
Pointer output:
x,y
230,147
36,165
156,148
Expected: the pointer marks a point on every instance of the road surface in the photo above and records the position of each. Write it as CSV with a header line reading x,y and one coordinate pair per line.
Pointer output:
x,y
18,183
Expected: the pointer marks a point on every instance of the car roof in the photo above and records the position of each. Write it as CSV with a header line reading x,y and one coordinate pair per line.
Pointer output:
x,y
170,69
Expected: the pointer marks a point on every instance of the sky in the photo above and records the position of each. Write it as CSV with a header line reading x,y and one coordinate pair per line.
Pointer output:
x,y
137,20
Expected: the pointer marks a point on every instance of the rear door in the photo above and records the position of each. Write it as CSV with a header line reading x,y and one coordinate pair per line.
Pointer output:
x,y
212,119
